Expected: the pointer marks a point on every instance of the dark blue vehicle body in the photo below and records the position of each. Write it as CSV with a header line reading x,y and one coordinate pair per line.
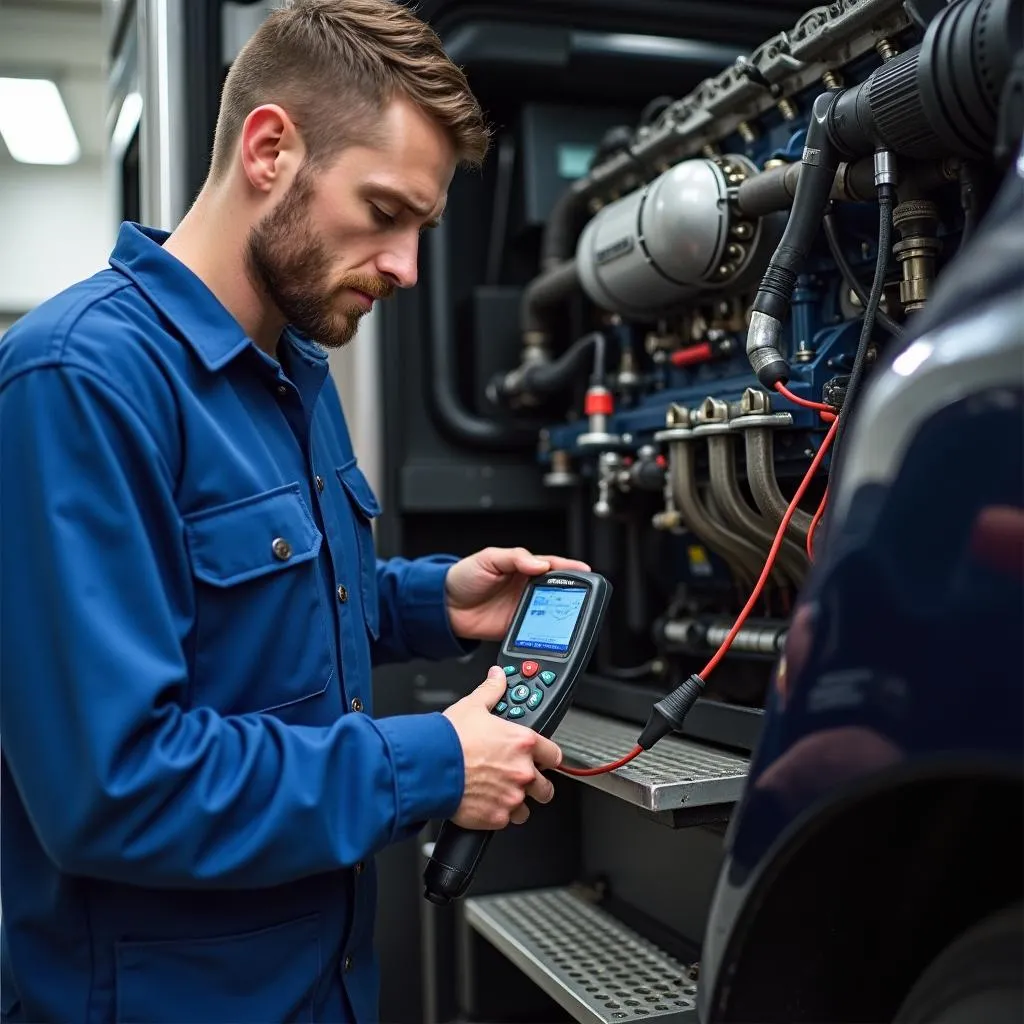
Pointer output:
x,y
882,815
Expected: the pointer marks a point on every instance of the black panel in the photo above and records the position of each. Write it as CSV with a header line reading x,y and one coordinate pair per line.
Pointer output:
x,y
666,874
202,84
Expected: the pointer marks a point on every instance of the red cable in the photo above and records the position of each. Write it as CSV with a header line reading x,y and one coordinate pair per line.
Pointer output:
x,y
773,553
601,769
755,593
805,402
815,519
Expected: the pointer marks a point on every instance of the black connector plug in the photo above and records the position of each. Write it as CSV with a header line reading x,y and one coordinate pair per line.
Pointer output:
x,y
668,714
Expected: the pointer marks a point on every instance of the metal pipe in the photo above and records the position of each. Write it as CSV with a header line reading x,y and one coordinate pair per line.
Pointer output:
x,y
764,485
545,292
722,461
454,420
753,638
739,553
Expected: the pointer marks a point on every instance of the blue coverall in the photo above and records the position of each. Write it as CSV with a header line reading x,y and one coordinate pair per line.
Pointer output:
x,y
192,784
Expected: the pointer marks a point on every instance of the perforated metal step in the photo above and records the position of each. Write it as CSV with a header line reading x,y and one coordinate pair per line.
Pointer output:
x,y
672,775
593,966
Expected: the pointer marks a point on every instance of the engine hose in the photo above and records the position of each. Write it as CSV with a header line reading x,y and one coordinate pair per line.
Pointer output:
x,y
453,419
559,238
545,292
886,195
771,306
850,279
550,378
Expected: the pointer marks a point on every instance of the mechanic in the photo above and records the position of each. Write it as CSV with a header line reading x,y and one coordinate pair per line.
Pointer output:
x,y
193,788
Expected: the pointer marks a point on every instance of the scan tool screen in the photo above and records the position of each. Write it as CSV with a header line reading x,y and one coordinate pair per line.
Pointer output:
x,y
550,619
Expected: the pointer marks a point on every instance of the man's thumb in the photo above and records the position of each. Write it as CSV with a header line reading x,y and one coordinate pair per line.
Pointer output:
x,y
492,688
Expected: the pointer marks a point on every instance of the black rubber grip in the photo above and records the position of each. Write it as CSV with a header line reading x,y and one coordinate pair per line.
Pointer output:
x,y
775,372
457,853
775,292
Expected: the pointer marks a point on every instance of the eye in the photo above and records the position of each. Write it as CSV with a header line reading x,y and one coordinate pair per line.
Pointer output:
x,y
381,217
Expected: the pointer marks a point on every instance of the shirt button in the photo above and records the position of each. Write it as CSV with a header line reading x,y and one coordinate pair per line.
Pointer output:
x,y
282,389
281,548
342,593
357,704
320,484
359,865
347,966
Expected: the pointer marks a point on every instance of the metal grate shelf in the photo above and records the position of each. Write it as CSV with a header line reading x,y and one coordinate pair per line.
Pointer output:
x,y
675,774
597,969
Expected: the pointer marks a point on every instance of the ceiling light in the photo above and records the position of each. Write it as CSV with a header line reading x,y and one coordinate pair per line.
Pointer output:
x,y
34,122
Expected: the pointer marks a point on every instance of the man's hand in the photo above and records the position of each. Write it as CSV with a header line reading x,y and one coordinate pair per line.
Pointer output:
x,y
503,760
482,590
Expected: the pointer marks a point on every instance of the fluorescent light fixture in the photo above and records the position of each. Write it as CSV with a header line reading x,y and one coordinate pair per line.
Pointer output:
x,y
34,122
127,121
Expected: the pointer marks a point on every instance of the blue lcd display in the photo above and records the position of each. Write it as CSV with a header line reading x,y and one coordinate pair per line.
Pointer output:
x,y
550,619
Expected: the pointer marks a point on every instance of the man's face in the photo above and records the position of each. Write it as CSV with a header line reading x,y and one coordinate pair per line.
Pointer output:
x,y
348,233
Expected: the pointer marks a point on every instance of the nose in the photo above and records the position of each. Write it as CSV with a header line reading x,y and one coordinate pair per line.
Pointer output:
x,y
398,262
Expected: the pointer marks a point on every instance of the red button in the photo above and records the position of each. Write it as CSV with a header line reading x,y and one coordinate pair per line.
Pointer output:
x,y
529,668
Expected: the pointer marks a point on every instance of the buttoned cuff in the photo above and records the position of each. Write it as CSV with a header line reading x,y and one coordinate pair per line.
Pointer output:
x,y
425,620
429,771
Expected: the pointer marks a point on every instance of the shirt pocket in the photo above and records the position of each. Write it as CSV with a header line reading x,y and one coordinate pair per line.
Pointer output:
x,y
268,975
365,509
261,641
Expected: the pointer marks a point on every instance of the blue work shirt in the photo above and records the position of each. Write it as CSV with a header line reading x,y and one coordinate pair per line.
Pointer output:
x,y
190,605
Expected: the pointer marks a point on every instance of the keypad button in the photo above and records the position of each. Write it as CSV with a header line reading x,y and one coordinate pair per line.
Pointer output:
x,y
529,669
547,677
509,670
519,693
533,701
500,708
517,712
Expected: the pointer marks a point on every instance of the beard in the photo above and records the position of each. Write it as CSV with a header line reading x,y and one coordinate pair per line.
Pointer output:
x,y
287,259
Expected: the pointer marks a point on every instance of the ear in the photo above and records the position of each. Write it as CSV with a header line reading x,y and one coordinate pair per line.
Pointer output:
x,y
272,150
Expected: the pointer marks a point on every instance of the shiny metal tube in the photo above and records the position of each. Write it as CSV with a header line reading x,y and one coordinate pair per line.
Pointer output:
x,y
739,553
722,461
764,485
711,633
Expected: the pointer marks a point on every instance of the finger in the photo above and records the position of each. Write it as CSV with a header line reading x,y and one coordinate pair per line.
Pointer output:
x,y
506,561
540,789
557,563
546,753
530,564
519,815
492,689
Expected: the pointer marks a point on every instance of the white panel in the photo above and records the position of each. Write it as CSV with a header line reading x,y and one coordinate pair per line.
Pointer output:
x,y
356,371
57,228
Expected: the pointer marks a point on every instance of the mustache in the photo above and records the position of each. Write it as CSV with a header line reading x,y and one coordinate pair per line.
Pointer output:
x,y
369,285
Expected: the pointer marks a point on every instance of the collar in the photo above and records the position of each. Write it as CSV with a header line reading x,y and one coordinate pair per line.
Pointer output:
x,y
182,297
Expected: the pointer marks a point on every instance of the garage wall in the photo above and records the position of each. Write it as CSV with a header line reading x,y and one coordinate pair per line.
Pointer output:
x,y
56,223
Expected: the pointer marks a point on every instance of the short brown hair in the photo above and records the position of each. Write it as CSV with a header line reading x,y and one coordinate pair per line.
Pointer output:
x,y
334,65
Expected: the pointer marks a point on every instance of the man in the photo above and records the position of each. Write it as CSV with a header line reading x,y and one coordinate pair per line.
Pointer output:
x,y
190,603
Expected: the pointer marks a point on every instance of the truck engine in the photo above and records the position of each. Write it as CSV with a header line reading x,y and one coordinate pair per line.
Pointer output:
x,y
712,294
